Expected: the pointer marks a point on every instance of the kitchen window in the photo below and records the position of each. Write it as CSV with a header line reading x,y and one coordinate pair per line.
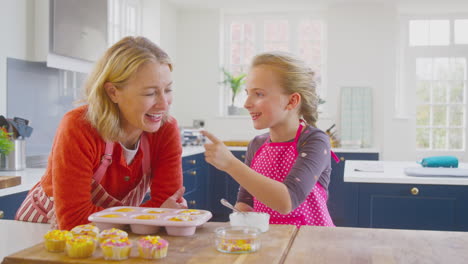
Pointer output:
x,y
436,63
250,34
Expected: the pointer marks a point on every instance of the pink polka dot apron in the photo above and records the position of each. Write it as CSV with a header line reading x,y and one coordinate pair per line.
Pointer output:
x,y
274,160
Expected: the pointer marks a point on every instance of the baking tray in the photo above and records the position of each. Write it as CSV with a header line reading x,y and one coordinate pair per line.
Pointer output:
x,y
147,220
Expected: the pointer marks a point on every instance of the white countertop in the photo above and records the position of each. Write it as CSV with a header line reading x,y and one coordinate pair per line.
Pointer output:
x,y
393,172
355,150
29,177
18,235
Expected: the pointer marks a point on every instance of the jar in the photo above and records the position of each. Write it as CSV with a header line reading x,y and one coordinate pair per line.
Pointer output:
x,y
237,239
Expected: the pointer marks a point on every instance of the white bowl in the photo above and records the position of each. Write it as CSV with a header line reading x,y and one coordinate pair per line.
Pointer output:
x,y
252,219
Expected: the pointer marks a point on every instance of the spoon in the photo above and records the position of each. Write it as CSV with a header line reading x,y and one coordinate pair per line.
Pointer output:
x,y
229,205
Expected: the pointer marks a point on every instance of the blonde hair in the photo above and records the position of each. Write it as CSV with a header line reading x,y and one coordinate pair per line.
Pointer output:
x,y
118,64
295,77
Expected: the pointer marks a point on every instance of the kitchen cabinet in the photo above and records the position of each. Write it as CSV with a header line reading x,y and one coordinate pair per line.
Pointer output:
x,y
413,206
10,203
195,171
223,186
343,196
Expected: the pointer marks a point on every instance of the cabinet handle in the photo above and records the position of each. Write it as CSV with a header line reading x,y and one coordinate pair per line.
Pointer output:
x,y
193,173
243,157
342,158
414,191
192,202
192,161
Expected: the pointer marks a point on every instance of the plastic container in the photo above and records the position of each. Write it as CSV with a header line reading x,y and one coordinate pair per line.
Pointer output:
x,y
252,219
146,221
237,239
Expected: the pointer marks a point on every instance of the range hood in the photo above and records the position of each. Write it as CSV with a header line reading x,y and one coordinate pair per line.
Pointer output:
x,y
78,33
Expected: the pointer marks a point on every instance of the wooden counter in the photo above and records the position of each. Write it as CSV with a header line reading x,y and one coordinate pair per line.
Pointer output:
x,y
199,248
368,245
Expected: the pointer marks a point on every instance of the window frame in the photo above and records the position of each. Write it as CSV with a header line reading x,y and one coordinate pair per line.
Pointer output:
x,y
405,94
258,19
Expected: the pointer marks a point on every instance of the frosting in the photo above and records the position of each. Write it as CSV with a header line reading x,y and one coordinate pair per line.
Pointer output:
x,y
111,215
152,242
180,218
58,235
116,242
146,217
88,230
112,233
125,210
82,240
191,212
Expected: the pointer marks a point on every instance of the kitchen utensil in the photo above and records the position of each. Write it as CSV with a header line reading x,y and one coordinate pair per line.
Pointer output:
x,y
229,205
4,122
20,120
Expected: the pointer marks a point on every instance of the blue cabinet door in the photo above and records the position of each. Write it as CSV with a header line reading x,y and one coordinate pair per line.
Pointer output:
x,y
404,206
343,196
10,203
195,179
222,185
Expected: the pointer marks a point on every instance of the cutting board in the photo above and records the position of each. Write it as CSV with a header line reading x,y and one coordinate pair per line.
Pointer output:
x,y
198,248
236,143
9,181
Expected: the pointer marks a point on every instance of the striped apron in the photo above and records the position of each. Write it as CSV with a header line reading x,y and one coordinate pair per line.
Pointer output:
x,y
38,207
275,160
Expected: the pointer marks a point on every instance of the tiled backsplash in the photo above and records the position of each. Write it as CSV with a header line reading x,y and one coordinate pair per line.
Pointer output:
x,y
42,95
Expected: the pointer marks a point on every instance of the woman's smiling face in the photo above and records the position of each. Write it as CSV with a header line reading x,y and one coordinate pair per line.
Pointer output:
x,y
145,99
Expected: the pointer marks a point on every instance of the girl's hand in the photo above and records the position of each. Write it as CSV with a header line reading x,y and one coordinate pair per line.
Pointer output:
x,y
243,207
176,201
216,153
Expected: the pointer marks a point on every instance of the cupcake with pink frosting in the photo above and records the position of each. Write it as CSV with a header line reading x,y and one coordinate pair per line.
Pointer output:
x,y
152,247
116,248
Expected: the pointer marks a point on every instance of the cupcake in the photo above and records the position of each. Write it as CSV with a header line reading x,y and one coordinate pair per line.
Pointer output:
x,y
87,230
146,217
80,246
191,212
112,233
55,240
152,247
116,248
181,218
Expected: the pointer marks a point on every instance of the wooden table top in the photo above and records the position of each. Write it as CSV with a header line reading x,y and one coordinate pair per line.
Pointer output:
x,y
199,248
368,245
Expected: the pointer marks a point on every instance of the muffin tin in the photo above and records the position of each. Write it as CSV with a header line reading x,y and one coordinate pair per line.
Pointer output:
x,y
146,220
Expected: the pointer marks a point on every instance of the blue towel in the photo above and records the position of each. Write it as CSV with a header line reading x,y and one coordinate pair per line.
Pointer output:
x,y
440,161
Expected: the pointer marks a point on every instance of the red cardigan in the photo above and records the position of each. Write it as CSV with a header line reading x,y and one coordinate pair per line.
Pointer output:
x,y
76,154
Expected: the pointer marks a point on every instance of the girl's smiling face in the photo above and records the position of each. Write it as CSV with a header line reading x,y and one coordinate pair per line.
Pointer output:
x,y
266,99
144,100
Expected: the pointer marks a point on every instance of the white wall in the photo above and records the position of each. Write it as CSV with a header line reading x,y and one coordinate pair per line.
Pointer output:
x,y
16,37
151,22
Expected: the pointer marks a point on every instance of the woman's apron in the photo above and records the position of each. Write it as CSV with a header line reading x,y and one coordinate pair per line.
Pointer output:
x,y
275,160
38,207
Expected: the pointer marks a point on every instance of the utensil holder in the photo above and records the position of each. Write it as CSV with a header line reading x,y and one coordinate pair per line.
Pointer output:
x,y
16,159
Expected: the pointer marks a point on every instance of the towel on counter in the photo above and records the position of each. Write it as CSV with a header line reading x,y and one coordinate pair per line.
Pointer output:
x,y
440,161
436,172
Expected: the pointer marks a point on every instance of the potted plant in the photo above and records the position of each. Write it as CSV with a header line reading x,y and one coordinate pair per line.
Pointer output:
x,y
235,82
6,146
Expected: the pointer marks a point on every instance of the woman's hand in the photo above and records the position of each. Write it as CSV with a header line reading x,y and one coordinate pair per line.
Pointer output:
x,y
176,201
217,154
